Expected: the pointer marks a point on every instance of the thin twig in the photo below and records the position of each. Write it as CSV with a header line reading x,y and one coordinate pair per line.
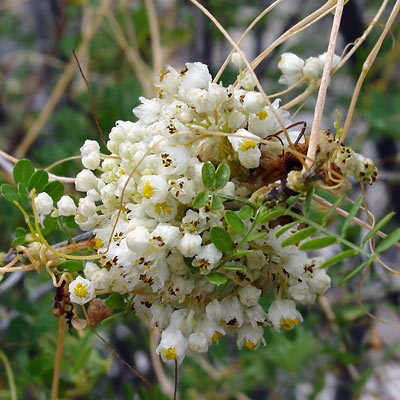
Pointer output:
x,y
176,379
155,36
57,365
319,107
62,83
10,376
366,67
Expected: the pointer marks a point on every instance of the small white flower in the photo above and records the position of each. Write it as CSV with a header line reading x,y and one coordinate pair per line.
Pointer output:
x,y
248,150
250,337
313,68
301,293
172,346
233,312
253,102
195,75
320,282
201,100
214,310
165,235
190,244
85,181
153,188
138,239
90,269
247,81
66,206
291,67
283,314
249,295
43,203
207,257
335,60
81,290
149,111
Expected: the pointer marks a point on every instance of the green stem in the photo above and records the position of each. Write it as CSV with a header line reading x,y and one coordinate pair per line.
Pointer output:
x,y
10,376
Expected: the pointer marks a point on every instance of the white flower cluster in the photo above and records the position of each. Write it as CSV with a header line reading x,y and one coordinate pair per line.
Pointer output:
x,y
154,244
294,68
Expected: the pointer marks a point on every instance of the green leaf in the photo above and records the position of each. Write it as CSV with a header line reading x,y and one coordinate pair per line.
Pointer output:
x,y
299,236
114,300
353,272
70,222
222,176
317,243
23,197
22,172
20,232
280,231
188,261
55,190
246,212
378,226
309,199
338,257
269,216
217,278
256,236
332,209
242,253
18,241
216,202
234,268
9,192
38,180
200,200
71,266
234,221
389,241
50,225
208,174
221,239
352,213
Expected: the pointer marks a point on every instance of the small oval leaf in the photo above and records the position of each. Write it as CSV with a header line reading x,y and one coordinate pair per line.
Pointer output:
x,y
200,200
55,190
114,300
318,243
208,174
71,266
299,236
38,180
339,257
269,216
221,239
234,221
234,268
22,172
9,192
217,278
222,176
216,202
246,212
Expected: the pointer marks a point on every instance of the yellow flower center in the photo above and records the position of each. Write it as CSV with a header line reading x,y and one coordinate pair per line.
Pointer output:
x,y
250,345
288,323
247,144
80,290
148,190
98,243
216,336
169,354
161,207
262,114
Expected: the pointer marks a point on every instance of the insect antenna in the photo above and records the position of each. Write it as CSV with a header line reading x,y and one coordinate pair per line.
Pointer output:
x,y
91,100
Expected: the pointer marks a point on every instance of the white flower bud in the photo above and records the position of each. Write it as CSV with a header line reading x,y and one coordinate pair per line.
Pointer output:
x,y
85,181
249,295
43,203
196,76
66,206
237,59
291,67
87,207
90,152
149,111
301,293
198,342
190,244
138,239
313,68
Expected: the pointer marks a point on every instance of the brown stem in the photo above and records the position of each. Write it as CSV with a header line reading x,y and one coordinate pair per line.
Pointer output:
x,y
57,365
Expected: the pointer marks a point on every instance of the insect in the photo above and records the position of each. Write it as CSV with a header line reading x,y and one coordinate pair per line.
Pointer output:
x,y
274,166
